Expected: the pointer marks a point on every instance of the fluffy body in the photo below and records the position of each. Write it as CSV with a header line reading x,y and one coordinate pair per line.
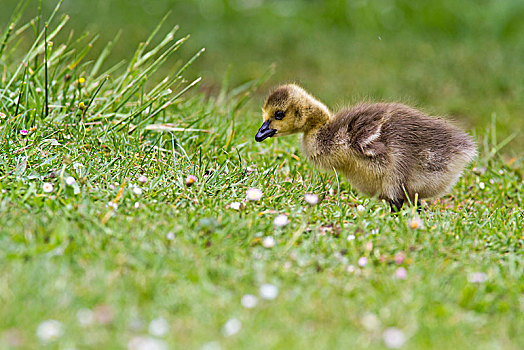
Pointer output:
x,y
387,150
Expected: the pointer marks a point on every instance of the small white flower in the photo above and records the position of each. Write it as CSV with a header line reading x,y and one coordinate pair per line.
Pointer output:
x,y
393,338
212,345
231,327
351,268
47,187
49,330
401,273
360,208
351,237
136,205
137,190
362,261
370,322
80,169
254,194
249,301
113,205
191,180
482,185
170,236
416,223
235,205
477,277
158,327
146,343
70,180
280,220
268,242
136,324
85,317
142,179
268,291
311,198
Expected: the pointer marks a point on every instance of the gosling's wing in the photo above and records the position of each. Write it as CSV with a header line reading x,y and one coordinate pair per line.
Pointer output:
x,y
365,129
368,140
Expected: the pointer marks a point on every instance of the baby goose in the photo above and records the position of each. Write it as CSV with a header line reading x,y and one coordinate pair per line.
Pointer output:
x,y
387,150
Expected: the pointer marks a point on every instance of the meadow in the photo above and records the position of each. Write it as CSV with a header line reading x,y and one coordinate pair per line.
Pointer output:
x,y
128,210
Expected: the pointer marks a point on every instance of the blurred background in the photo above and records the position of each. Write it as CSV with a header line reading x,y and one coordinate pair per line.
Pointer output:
x,y
448,57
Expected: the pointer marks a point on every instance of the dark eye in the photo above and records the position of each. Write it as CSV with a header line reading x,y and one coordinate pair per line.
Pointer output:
x,y
279,115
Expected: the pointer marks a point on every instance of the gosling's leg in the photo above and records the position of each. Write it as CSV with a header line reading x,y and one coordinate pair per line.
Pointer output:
x,y
396,204
419,206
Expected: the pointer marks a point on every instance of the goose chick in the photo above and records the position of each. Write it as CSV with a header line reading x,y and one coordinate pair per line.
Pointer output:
x,y
387,150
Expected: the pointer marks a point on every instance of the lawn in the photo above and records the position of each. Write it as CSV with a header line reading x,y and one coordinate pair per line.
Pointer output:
x,y
129,218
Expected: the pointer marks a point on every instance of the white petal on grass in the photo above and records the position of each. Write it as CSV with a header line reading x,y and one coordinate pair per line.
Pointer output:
x,y
80,169
361,208
212,345
268,242
231,327
235,205
135,324
170,236
70,180
311,198
362,261
249,301
401,273
281,220
477,277
370,322
268,291
159,327
85,317
142,179
146,343
351,237
136,205
482,185
416,223
137,190
49,330
47,187
191,180
254,194
393,338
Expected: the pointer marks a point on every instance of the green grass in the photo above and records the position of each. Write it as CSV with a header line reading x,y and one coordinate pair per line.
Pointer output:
x,y
68,250
448,57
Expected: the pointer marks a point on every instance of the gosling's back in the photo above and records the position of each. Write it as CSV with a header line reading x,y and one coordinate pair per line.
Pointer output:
x,y
389,150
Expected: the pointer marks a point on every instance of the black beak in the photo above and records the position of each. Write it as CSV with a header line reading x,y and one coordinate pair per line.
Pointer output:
x,y
264,132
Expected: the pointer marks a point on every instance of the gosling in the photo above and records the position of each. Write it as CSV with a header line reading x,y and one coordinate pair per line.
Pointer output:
x,y
385,150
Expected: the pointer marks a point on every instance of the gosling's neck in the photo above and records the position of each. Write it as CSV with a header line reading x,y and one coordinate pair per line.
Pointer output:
x,y
316,115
